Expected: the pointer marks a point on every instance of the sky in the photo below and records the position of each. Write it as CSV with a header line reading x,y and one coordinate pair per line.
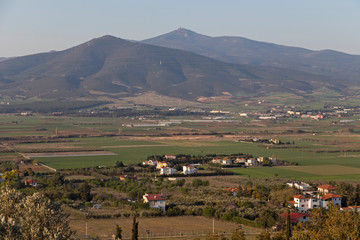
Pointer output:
x,y
33,26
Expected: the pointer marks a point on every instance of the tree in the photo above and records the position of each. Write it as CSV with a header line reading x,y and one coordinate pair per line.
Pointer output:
x,y
265,235
85,194
135,229
332,224
237,234
31,217
118,233
119,164
288,226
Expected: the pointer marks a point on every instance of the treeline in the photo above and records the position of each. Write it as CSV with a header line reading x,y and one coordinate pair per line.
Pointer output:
x,y
130,112
49,107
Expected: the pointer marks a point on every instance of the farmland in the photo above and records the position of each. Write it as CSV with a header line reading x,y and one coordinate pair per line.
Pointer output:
x,y
322,149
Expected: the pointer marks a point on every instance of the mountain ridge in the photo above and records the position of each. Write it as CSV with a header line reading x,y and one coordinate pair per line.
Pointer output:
x,y
241,50
110,66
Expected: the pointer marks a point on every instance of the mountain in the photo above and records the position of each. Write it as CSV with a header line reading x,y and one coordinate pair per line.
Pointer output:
x,y
110,66
2,59
241,50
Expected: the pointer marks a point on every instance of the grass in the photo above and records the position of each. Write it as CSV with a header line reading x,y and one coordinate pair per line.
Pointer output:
x,y
161,225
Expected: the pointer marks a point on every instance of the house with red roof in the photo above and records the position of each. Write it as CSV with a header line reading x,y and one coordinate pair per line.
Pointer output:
x,y
334,198
296,217
30,182
233,190
304,203
351,208
326,189
155,200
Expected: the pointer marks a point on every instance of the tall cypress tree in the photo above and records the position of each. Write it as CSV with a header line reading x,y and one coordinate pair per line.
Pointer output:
x,y
288,226
118,232
135,231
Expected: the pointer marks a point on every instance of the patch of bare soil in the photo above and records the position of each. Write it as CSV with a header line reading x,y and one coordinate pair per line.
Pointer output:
x,y
154,99
35,168
187,138
69,153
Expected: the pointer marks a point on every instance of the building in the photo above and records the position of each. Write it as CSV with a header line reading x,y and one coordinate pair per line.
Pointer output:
x,y
300,185
325,189
297,217
150,163
233,190
30,182
226,162
167,171
251,162
156,200
303,203
161,165
216,160
170,157
189,170
334,198
351,208
240,160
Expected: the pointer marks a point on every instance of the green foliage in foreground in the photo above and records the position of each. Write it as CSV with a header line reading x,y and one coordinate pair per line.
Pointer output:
x,y
31,217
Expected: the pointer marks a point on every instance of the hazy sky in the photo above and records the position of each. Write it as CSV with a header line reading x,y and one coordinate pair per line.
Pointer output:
x,y
32,26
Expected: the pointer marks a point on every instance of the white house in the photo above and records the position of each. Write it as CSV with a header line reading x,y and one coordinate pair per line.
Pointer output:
x,y
303,204
326,189
167,171
300,185
226,162
240,160
155,200
170,156
216,160
150,163
334,198
189,170
251,162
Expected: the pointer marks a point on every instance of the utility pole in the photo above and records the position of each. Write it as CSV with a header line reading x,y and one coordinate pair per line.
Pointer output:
x,y
86,227
213,226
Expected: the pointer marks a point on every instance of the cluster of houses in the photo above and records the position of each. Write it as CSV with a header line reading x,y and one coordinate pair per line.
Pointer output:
x,y
166,170
249,162
314,199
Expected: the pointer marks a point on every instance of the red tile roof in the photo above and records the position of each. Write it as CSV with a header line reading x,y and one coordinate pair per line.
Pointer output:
x,y
232,189
155,197
300,197
327,187
294,217
330,195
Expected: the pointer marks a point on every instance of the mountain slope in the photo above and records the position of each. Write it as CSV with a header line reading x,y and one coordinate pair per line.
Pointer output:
x,y
241,50
115,67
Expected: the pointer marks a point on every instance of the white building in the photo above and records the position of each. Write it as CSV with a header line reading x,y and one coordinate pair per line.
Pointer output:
x,y
240,160
303,204
155,200
167,171
300,185
251,162
326,199
189,170
226,162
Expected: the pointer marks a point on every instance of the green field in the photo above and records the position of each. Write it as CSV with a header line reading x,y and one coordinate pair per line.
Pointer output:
x,y
323,150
